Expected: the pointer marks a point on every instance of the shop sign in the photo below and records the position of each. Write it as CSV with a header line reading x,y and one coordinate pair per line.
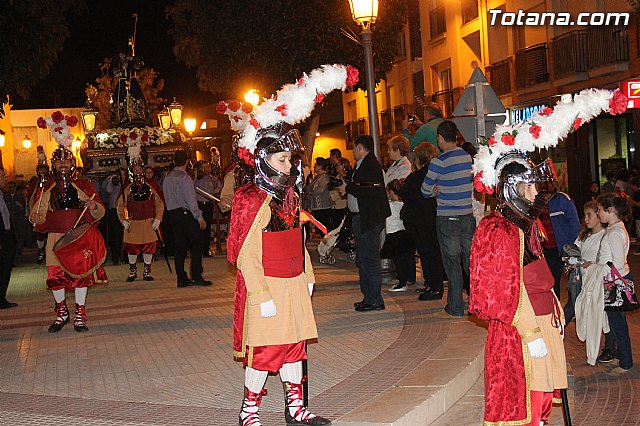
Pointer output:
x,y
631,89
524,114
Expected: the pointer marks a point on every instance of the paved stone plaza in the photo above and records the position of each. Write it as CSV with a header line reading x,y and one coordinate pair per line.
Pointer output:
x,y
160,355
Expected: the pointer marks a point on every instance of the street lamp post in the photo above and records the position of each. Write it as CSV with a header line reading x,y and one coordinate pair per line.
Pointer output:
x,y
365,13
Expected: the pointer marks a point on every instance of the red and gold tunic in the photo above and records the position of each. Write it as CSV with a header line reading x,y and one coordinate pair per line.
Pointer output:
x,y
140,237
271,265
499,295
47,217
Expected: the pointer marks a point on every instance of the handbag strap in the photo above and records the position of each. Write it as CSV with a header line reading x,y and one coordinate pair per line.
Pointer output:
x,y
600,246
616,274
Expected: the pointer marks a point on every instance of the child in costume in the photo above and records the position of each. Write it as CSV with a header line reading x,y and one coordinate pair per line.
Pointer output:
x,y
511,285
273,315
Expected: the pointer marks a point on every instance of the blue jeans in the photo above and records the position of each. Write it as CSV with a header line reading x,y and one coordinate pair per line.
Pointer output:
x,y
368,261
455,234
617,340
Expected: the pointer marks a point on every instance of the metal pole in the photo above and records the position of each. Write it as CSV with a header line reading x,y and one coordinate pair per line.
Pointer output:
x,y
371,92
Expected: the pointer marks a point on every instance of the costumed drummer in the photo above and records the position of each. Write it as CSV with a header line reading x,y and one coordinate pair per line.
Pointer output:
x,y
140,208
57,207
273,315
511,285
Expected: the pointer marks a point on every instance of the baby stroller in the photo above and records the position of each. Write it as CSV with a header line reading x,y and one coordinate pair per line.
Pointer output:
x,y
341,237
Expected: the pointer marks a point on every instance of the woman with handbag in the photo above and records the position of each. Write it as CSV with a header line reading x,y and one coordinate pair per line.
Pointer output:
x,y
612,209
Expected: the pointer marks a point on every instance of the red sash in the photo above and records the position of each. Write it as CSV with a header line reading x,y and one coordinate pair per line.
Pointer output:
x,y
538,281
282,255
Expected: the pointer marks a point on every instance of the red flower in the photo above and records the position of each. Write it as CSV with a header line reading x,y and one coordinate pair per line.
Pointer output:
x,y
145,137
71,121
508,139
247,107
479,186
535,131
236,118
123,138
133,135
254,123
58,129
491,141
618,103
221,107
300,82
319,97
546,111
282,109
352,76
42,123
245,155
576,124
57,117
234,105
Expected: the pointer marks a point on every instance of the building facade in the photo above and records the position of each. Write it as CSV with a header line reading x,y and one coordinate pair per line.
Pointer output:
x,y
528,66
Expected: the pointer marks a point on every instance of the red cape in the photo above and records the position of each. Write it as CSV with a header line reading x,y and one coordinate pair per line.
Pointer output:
x,y
246,203
495,296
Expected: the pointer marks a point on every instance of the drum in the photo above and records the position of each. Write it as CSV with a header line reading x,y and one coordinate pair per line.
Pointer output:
x,y
81,250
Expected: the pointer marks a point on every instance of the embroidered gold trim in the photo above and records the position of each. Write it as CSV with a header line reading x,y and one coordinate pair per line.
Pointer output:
x,y
262,212
527,374
530,333
255,292
250,357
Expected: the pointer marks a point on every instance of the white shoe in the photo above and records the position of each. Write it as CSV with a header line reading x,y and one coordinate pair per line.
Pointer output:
x,y
399,287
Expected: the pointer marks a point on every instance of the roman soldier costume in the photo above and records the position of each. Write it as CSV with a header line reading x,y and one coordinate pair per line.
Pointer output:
x,y
511,285
273,314
58,206
140,208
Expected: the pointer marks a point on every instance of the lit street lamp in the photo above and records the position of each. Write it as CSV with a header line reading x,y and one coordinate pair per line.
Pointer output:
x,y
89,116
26,142
190,127
164,119
175,112
252,97
365,13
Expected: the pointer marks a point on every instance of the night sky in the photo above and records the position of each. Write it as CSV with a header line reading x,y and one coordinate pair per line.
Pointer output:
x,y
103,31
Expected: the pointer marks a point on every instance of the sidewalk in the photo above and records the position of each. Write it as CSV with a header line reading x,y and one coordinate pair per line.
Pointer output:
x,y
159,355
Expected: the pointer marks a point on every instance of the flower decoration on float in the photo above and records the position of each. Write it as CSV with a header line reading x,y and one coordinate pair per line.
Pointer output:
x,y
60,127
544,130
113,138
292,104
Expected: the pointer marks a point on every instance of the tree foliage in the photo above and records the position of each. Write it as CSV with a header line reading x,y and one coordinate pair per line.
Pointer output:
x,y
31,35
100,94
236,45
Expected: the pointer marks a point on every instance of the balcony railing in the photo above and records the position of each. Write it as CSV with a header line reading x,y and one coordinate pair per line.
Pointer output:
x,y
444,99
531,66
569,53
500,77
607,45
355,129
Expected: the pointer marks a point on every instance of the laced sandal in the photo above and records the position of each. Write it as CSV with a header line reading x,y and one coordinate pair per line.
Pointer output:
x,y
41,256
250,406
295,413
147,273
133,273
79,322
62,317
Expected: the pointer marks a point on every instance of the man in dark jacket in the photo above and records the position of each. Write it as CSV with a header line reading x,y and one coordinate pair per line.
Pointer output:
x,y
367,201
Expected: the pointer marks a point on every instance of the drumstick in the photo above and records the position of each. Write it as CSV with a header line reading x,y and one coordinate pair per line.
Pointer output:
x,y
84,210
